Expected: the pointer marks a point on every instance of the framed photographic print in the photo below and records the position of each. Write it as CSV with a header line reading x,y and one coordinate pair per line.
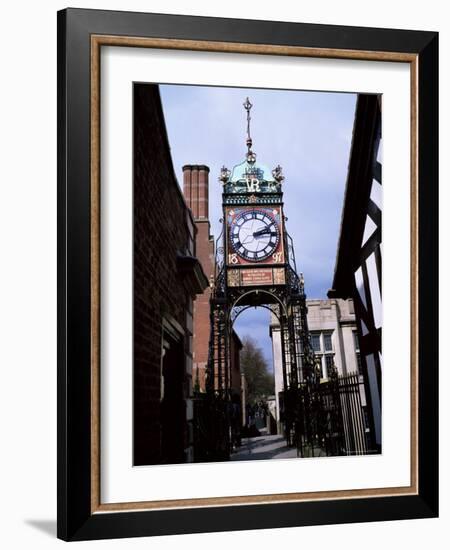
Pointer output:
x,y
247,254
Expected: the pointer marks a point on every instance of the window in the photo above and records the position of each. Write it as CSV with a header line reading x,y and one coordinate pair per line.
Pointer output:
x,y
315,342
356,340
329,362
322,349
328,344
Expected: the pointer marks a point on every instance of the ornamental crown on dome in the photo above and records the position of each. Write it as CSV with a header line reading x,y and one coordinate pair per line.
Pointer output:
x,y
250,175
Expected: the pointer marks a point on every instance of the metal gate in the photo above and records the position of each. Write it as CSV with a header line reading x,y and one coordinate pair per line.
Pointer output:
x,y
330,417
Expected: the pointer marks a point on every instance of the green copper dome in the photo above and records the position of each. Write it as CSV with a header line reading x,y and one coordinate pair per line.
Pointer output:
x,y
241,172
250,176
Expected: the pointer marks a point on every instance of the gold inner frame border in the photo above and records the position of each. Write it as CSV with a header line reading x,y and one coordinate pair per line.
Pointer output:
x,y
97,41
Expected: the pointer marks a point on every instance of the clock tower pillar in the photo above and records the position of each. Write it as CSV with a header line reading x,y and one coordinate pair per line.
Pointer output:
x,y
255,267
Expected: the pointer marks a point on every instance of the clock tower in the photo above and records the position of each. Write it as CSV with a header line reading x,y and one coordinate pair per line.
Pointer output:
x,y
254,236
255,267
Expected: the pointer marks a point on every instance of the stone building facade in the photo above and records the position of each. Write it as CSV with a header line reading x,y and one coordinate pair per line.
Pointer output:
x,y
334,339
166,279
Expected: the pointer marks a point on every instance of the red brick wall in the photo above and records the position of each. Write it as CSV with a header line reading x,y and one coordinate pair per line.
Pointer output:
x,y
205,253
160,230
196,191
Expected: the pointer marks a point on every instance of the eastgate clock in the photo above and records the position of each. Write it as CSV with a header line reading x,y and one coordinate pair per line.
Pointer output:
x,y
254,235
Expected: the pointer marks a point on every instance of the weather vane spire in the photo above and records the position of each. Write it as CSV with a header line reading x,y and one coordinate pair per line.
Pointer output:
x,y
247,107
251,157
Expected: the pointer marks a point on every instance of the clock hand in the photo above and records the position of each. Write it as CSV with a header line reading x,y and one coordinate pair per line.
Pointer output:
x,y
261,232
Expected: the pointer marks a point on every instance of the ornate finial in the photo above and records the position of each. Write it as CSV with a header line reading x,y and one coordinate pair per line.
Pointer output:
x,y
224,175
277,173
302,284
251,156
247,107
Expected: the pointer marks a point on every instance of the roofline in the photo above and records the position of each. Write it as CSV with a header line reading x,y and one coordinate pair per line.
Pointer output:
x,y
356,196
195,167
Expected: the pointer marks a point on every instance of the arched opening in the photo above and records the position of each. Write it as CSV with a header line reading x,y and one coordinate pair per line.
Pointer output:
x,y
261,435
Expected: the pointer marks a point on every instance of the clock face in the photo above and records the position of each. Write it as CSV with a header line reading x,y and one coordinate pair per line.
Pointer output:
x,y
254,235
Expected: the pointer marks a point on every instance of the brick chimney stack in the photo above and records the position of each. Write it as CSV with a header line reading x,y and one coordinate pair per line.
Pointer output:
x,y
196,189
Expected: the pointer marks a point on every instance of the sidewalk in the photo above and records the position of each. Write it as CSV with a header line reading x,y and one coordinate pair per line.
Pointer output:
x,y
263,448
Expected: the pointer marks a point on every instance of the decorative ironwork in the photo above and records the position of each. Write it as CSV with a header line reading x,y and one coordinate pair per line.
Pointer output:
x,y
237,310
291,252
279,277
245,199
233,278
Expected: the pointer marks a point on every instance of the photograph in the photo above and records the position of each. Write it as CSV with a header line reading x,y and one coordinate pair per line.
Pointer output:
x,y
257,274
247,274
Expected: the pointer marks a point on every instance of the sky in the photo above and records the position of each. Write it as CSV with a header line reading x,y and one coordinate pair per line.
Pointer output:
x,y
307,133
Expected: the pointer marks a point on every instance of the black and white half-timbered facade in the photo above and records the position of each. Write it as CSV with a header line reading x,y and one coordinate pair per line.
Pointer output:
x,y
358,263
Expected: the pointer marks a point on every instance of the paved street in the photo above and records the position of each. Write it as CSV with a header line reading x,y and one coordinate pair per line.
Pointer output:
x,y
263,448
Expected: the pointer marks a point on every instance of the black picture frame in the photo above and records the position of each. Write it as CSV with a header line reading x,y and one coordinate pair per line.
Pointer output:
x,y
75,518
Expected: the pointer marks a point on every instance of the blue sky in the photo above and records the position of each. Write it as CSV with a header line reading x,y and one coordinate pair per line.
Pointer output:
x,y
307,133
